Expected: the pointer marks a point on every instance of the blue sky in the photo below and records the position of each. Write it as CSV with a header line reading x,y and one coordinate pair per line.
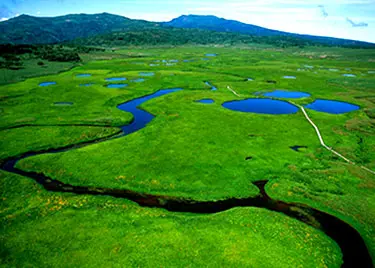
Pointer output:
x,y
353,19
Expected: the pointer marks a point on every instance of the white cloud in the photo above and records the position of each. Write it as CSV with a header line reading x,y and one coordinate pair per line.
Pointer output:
x,y
4,19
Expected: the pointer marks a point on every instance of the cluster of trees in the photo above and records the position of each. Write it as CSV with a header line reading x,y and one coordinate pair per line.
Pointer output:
x,y
179,36
12,56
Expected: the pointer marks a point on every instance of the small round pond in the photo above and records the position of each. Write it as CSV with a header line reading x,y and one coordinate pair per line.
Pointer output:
x,y
138,80
83,75
332,107
286,94
63,103
115,79
261,106
146,74
206,101
46,84
117,85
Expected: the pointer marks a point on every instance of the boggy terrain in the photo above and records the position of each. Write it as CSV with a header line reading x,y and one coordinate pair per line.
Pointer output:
x,y
192,152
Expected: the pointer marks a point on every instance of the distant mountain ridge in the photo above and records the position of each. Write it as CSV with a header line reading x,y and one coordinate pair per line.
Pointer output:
x,y
27,29
213,23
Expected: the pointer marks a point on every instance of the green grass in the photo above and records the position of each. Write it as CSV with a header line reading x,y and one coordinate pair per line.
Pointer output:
x,y
62,230
198,151
31,68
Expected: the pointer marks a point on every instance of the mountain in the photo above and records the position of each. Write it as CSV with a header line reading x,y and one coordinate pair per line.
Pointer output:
x,y
214,23
26,29
108,29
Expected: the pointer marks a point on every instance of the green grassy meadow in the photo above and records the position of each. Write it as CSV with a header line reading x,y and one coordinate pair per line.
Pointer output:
x,y
190,150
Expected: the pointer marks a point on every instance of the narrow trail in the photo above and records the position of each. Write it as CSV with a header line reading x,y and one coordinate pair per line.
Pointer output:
x,y
323,143
234,92
353,247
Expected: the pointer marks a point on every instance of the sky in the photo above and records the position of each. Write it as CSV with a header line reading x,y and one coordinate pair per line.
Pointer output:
x,y
351,19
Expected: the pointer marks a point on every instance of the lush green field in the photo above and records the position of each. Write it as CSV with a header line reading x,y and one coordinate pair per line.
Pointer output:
x,y
189,150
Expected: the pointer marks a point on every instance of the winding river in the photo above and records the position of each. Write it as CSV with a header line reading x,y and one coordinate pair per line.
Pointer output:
x,y
355,252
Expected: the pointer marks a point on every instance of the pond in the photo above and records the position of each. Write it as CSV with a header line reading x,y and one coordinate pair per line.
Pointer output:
x,y
249,79
153,65
146,74
333,70
349,75
286,94
86,85
211,55
46,84
210,85
115,79
298,148
117,85
332,107
206,101
63,103
138,80
83,75
289,77
141,117
261,106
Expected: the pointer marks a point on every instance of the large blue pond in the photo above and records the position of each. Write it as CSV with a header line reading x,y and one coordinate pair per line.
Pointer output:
x,y
117,85
206,101
286,94
46,84
141,117
332,107
116,79
261,106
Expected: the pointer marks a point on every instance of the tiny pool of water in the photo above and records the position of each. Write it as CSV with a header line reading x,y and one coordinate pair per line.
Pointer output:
x,y
308,66
63,103
289,77
83,75
332,107
333,70
210,85
249,79
205,59
146,74
349,75
286,94
152,65
86,85
206,101
261,106
115,79
138,80
211,55
46,84
117,85
298,148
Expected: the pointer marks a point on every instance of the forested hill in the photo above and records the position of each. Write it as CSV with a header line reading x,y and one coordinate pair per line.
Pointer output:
x,y
214,23
38,30
107,29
